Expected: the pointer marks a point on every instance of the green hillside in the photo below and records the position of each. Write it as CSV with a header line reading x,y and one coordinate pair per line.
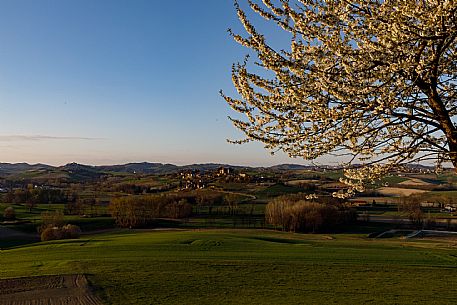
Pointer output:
x,y
247,267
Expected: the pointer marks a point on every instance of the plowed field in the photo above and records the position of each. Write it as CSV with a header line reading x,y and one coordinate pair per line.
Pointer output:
x,y
47,290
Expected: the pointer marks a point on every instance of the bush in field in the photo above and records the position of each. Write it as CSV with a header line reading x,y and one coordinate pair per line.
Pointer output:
x,y
53,227
9,213
305,216
51,233
68,231
71,231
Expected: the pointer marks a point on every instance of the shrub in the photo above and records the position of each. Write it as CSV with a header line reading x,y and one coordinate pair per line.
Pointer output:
x,y
71,231
9,213
68,231
51,233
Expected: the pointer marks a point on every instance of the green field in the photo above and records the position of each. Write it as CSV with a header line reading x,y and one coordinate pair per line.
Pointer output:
x,y
34,217
247,267
277,190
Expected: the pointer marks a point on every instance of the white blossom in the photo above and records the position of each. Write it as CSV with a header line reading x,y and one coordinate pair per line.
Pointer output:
x,y
376,79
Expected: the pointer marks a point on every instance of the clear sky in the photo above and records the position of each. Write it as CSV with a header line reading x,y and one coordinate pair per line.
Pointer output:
x,y
105,82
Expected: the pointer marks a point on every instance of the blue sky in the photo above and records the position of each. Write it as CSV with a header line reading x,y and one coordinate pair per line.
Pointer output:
x,y
105,82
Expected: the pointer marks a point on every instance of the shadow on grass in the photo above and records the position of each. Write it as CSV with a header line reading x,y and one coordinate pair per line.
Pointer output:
x,y
9,243
365,228
278,240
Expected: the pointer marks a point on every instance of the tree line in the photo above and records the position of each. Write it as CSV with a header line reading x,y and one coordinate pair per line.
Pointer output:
x,y
139,211
36,195
295,214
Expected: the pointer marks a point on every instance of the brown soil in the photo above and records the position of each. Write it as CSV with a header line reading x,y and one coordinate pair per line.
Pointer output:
x,y
415,182
47,290
395,191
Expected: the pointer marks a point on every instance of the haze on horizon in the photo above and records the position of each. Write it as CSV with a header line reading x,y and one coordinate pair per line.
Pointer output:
x,y
109,82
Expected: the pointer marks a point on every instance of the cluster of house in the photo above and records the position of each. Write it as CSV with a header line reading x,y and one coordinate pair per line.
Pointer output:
x,y
192,179
195,179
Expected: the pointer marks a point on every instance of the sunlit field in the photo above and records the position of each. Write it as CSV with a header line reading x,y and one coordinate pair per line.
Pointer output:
x,y
247,267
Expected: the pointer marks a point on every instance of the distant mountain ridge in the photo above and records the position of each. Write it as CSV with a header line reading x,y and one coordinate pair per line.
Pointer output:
x,y
138,167
76,171
11,168
161,168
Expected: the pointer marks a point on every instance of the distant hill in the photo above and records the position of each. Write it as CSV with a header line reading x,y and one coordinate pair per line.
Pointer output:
x,y
42,172
140,168
80,172
288,167
210,166
74,172
7,169
159,168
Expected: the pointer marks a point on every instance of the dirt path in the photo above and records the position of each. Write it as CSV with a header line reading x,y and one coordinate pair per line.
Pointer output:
x,y
47,290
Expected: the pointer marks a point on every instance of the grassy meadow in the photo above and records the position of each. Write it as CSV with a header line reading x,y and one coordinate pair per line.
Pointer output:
x,y
247,267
